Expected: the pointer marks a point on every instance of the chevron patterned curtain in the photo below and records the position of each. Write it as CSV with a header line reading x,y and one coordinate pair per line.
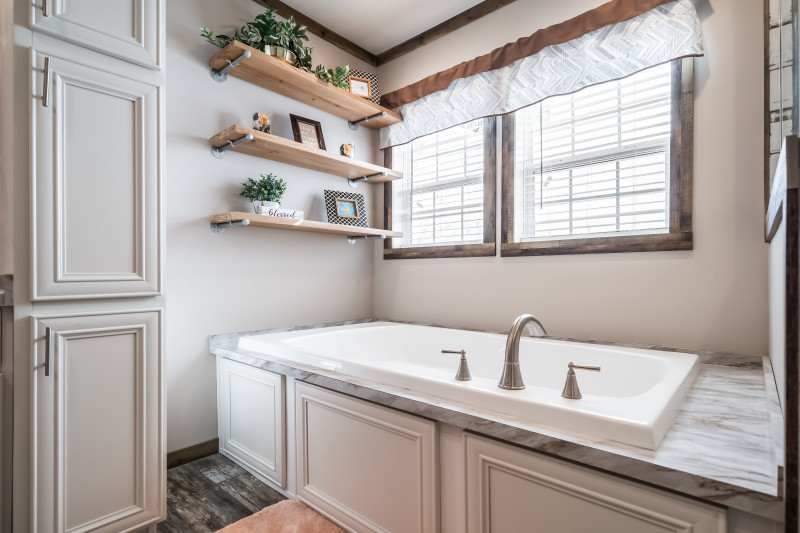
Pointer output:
x,y
665,33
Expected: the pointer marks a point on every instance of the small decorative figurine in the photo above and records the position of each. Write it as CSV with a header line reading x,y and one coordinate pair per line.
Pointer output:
x,y
347,150
261,122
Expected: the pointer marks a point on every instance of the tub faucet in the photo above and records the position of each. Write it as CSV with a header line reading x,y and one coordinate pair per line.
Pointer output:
x,y
512,378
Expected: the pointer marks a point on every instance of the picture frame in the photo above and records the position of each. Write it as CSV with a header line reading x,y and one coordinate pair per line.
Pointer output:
x,y
345,208
307,131
374,84
360,86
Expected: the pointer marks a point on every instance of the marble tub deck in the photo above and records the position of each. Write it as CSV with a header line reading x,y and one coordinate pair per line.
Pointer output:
x,y
725,446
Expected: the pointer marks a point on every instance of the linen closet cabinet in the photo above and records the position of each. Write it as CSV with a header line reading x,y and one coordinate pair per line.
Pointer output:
x,y
96,385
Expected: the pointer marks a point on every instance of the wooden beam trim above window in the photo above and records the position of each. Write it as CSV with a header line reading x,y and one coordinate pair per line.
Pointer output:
x,y
318,29
440,30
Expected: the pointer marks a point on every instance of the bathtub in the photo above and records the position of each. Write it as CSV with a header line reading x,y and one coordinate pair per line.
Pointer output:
x,y
632,400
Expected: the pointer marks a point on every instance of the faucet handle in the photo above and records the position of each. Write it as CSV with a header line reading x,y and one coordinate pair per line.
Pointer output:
x,y
463,370
571,390
582,367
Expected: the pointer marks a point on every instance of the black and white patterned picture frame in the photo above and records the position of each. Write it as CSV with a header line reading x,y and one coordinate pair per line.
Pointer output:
x,y
375,93
346,208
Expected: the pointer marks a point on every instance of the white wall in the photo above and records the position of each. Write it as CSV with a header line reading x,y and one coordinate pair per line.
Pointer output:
x,y
714,297
246,278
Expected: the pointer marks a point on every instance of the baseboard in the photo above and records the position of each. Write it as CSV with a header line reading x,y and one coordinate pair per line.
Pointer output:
x,y
192,453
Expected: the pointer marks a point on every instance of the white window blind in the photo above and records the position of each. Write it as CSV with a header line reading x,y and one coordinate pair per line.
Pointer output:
x,y
595,162
440,200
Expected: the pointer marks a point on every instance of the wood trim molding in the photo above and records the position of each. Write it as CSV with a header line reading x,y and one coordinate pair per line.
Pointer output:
x,y
681,184
440,30
321,31
192,453
485,249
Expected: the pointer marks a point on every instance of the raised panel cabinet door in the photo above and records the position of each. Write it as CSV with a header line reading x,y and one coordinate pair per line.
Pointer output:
x,y
99,462
368,467
252,418
96,212
127,29
512,490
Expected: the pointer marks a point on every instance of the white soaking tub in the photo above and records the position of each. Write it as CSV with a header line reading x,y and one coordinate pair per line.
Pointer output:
x,y
633,399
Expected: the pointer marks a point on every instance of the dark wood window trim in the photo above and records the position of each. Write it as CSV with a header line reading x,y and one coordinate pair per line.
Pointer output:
x,y
489,246
681,162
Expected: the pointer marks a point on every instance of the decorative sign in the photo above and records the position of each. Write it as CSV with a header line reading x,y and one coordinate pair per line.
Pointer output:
x,y
307,131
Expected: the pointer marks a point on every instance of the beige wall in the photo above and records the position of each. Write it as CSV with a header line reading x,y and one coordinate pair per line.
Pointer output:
x,y
246,278
714,297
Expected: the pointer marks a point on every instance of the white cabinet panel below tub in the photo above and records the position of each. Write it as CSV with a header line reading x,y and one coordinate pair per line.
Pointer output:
x,y
368,467
252,418
512,490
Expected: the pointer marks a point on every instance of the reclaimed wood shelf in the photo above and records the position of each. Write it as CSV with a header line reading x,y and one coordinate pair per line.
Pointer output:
x,y
288,151
295,224
275,75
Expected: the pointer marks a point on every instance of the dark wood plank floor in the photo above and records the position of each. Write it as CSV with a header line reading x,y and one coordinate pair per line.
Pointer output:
x,y
208,494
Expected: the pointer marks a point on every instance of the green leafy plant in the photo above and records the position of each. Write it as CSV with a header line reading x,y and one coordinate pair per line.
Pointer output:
x,y
265,31
337,76
269,188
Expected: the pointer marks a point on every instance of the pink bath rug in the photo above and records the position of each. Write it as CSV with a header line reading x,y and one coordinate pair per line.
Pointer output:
x,y
287,516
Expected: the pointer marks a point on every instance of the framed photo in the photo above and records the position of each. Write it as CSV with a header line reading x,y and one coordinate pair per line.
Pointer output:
x,y
307,131
374,88
360,86
345,208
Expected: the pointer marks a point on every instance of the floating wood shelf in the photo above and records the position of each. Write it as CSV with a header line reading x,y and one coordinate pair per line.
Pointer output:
x,y
294,224
275,75
287,151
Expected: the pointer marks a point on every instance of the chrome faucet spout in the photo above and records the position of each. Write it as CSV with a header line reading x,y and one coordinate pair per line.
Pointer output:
x,y
511,378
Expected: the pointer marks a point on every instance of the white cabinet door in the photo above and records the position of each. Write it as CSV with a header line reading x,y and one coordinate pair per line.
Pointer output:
x,y
252,419
127,29
368,467
513,490
96,176
98,439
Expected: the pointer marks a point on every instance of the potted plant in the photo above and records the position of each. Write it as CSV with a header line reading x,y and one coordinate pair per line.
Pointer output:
x,y
336,77
265,193
284,40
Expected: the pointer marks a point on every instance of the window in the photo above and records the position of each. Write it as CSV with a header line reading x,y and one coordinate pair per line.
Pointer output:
x,y
444,205
605,169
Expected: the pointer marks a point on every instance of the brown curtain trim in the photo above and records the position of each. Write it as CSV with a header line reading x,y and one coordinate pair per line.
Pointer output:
x,y
610,13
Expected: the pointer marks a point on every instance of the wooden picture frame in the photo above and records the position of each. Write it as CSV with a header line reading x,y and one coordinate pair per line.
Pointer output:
x,y
360,86
346,208
307,131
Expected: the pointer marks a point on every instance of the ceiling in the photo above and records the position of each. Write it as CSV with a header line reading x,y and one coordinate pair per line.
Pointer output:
x,y
378,25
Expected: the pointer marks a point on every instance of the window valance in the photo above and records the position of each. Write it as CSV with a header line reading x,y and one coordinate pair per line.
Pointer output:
x,y
611,42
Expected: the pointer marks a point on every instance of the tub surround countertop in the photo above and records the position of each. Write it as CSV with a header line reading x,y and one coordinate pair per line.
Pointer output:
x,y
725,446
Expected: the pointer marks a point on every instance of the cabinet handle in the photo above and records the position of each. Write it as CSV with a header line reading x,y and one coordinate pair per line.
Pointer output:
x,y
44,8
46,87
48,334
